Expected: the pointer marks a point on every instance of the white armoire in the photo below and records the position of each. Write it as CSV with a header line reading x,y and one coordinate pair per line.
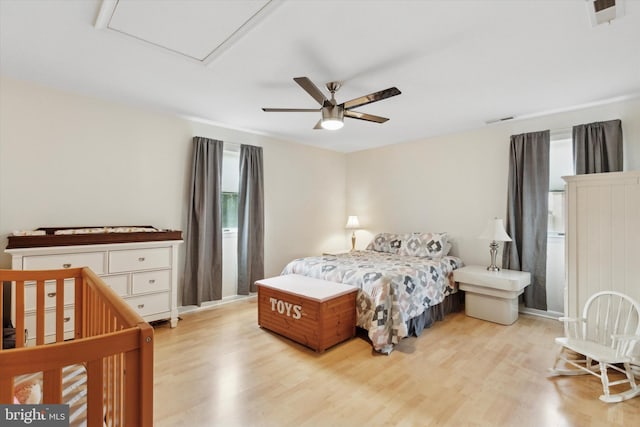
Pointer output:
x,y
602,236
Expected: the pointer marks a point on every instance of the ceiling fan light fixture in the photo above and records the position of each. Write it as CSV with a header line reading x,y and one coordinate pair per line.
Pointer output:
x,y
332,124
332,118
333,114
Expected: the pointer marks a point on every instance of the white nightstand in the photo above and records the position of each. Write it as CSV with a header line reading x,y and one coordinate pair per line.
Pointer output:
x,y
491,295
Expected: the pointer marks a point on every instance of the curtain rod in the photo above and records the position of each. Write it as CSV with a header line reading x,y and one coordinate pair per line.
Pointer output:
x,y
561,133
231,146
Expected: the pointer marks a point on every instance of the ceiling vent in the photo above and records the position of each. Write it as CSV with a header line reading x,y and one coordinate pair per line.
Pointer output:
x,y
601,11
501,119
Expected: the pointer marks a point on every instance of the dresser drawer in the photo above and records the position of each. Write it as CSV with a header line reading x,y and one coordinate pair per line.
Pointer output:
x,y
49,323
139,259
119,283
150,304
151,281
50,294
93,260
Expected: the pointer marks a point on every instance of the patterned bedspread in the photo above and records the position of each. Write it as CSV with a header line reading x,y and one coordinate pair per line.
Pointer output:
x,y
392,288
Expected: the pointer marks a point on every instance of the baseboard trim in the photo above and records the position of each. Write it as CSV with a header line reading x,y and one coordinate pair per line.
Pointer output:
x,y
213,304
540,313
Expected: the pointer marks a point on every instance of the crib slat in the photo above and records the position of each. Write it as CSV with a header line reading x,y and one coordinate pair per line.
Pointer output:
x,y
115,408
40,312
78,329
59,310
94,392
120,388
52,386
146,374
132,388
19,313
91,312
6,390
108,384
1,307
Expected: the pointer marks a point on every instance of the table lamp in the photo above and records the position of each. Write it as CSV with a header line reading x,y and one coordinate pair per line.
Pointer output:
x,y
353,224
496,233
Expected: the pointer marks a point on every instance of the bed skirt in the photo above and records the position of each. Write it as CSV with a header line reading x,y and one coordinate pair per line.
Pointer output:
x,y
451,304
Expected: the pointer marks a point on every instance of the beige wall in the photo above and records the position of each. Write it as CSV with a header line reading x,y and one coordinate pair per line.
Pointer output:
x,y
456,183
69,160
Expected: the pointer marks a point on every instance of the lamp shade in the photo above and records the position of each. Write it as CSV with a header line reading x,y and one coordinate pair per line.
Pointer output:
x,y
495,231
352,223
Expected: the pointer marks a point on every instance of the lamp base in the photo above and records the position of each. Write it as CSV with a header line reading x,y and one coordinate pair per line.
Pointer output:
x,y
493,250
353,241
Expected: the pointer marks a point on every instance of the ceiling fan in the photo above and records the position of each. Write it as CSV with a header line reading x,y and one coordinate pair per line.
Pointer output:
x,y
334,113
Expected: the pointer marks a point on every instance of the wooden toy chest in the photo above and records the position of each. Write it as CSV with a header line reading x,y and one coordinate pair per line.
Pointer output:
x,y
312,312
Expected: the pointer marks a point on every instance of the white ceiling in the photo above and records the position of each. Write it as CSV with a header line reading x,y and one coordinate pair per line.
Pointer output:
x,y
458,63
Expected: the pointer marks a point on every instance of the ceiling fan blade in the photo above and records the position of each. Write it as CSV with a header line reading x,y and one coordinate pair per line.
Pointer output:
x,y
291,110
311,89
318,125
364,116
372,97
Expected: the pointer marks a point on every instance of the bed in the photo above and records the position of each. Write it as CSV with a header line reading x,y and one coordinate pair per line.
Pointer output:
x,y
404,281
104,372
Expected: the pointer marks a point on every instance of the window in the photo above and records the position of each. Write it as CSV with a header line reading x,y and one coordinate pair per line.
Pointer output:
x,y
229,210
560,164
230,182
560,160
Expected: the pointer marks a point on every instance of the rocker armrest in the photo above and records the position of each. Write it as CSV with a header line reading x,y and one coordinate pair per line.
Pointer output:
x,y
616,337
626,345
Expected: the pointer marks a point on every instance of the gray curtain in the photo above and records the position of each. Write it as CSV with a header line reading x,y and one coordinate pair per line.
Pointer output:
x,y
597,147
203,237
250,219
527,213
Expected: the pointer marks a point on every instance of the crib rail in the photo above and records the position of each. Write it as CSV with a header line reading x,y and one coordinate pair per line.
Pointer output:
x,y
112,342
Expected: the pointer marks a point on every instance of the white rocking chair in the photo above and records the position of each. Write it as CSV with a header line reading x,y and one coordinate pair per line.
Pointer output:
x,y
608,333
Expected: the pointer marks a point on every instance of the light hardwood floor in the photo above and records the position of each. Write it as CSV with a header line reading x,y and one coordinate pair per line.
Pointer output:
x,y
218,368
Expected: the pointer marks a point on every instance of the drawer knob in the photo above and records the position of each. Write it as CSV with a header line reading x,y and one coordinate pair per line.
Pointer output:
x,y
141,259
51,294
140,305
66,265
66,319
152,281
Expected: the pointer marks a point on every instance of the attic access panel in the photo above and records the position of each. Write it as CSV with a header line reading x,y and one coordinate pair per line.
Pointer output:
x,y
196,31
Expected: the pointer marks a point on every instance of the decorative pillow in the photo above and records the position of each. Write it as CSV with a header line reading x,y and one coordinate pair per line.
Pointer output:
x,y
386,242
447,248
432,245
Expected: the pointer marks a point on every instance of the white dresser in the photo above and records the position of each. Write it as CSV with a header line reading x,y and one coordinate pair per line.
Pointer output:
x,y
603,236
143,273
